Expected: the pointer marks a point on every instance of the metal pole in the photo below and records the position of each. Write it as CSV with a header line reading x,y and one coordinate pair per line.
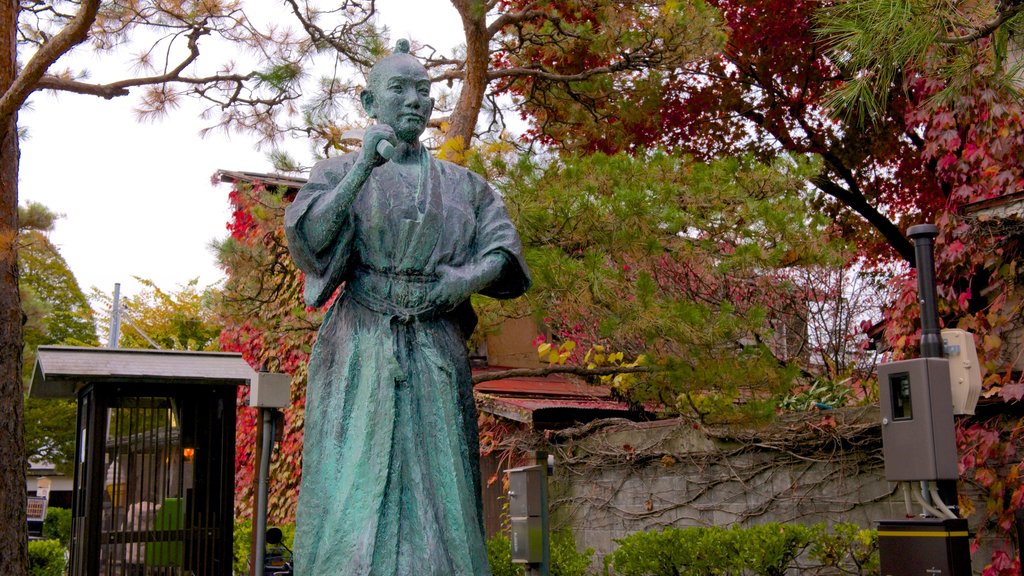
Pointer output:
x,y
260,525
115,318
923,236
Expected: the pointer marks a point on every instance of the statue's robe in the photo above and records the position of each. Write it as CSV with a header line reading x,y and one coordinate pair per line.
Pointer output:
x,y
390,466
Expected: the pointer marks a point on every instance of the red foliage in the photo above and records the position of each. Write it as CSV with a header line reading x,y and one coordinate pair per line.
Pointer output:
x,y
266,321
919,162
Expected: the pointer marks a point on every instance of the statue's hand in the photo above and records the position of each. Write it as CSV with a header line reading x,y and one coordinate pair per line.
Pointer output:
x,y
454,285
373,136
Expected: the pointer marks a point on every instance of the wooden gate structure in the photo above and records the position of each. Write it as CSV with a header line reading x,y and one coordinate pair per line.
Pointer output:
x,y
154,465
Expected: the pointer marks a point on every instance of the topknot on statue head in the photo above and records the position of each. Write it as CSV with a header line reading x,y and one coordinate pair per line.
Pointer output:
x,y
400,56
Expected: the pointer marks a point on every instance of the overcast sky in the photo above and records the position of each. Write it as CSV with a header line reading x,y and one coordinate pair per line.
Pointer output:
x,y
137,197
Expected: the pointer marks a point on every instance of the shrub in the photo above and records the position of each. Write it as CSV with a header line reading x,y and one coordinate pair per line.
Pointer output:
x,y
45,558
499,556
770,549
693,551
847,549
57,525
762,550
565,559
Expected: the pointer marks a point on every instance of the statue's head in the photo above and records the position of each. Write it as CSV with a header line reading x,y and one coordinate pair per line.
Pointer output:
x,y
398,94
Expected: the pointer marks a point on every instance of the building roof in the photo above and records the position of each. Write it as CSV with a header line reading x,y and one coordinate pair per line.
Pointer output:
x,y
551,401
61,370
1003,206
290,182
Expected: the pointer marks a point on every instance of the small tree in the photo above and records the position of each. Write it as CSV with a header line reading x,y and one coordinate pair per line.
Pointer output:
x,y
56,312
155,318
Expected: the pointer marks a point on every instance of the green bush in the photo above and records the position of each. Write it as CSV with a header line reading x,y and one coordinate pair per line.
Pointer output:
x,y
770,549
762,550
847,549
565,559
57,525
693,551
45,558
499,556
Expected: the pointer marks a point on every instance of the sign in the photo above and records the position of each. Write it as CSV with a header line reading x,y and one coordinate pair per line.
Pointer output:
x,y
36,509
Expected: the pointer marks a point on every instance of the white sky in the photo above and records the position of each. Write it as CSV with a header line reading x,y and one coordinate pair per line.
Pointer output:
x,y
137,197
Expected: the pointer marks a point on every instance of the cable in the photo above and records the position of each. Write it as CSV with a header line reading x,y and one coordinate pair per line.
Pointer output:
x,y
934,491
906,499
927,507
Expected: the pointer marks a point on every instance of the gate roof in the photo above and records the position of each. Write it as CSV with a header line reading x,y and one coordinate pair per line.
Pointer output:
x,y
61,370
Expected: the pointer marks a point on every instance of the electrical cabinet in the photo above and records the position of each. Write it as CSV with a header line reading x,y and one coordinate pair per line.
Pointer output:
x,y
925,546
526,501
918,440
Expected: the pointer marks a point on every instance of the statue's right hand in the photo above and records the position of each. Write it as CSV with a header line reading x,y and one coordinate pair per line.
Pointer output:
x,y
374,135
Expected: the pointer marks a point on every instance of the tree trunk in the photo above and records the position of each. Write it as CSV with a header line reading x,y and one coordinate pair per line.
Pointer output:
x,y
13,525
463,119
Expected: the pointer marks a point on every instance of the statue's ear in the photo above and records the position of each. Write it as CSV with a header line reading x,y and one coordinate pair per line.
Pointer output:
x,y
366,97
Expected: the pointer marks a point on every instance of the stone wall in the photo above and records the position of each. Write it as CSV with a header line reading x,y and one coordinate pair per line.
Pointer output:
x,y
615,478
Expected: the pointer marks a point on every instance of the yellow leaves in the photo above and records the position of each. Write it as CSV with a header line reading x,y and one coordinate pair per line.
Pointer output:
x,y
991,343
453,150
546,352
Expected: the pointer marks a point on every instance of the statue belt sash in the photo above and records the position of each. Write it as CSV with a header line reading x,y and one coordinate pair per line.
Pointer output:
x,y
403,295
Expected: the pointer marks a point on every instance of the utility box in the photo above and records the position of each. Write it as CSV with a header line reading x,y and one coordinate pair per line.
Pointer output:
x,y
270,390
918,440
964,369
925,546
526,505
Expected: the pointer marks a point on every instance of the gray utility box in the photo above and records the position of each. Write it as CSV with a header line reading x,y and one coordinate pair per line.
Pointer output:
x,y
925,546
918,441
526,503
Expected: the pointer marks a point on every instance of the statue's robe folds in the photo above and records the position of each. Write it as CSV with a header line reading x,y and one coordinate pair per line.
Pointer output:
x,y
390,471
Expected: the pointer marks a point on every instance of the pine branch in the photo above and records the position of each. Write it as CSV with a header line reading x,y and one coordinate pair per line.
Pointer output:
x,y
318,34
510,18
74,33
985,29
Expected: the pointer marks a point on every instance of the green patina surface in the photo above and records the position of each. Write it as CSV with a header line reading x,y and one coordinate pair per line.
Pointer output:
x,y
390,480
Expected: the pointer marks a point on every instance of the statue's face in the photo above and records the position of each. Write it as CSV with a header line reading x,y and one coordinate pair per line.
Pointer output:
x,y
399,96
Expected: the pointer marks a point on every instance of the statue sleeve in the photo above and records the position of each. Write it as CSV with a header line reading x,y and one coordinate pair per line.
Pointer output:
x,y
325,265
496,233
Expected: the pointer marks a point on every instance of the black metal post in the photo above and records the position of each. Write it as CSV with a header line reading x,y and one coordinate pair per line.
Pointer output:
x,y
923,236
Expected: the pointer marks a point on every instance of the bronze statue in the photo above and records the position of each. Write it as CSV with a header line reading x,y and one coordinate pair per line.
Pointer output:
x,y
390,473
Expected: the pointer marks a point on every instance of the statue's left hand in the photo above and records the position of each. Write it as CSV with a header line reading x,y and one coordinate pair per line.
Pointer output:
x,y
454,286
